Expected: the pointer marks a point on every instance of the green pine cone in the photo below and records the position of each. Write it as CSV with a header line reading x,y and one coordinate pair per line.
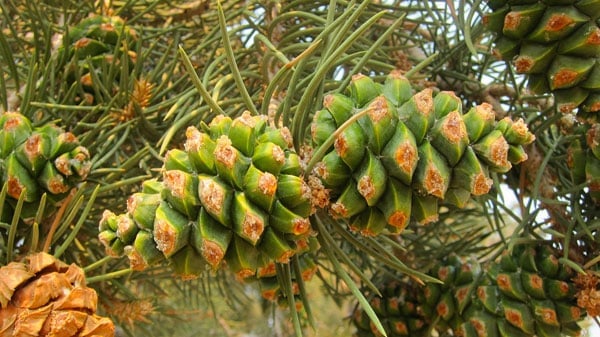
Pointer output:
x,y
556,44
398,309
38,160
95,42
526,293
407,152
234,195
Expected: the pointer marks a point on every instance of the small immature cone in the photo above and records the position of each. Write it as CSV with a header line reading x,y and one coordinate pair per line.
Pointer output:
x,y
235,191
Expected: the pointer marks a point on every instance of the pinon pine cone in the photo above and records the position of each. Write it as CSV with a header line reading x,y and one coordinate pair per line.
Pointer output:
x,y
38,160
398,309
556,44
92,46
408,152
47,298
526,293
234,195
